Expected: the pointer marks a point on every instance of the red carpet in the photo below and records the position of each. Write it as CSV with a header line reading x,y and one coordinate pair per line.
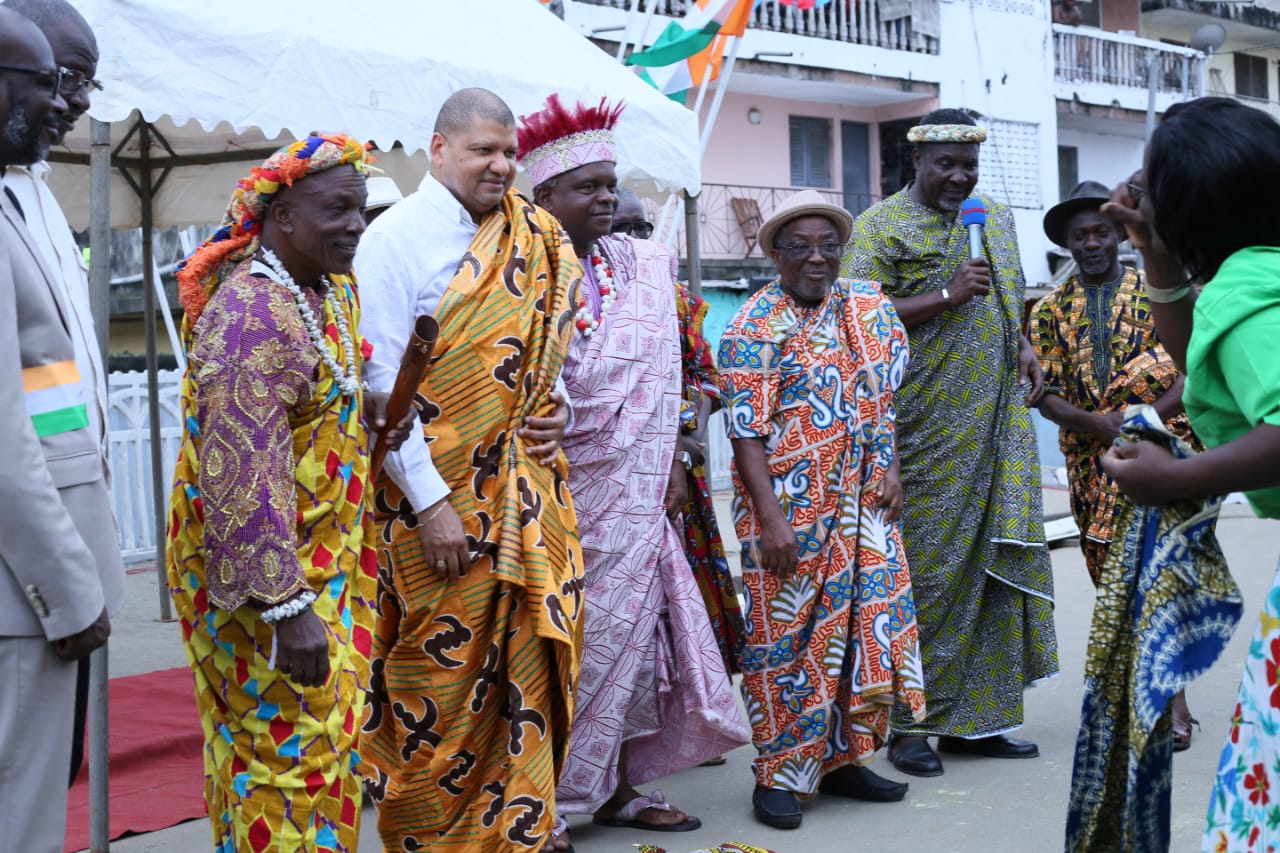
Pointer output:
x,y
157,768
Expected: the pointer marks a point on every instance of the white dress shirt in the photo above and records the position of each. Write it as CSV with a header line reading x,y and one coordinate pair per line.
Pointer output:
x,y
58,248
403,266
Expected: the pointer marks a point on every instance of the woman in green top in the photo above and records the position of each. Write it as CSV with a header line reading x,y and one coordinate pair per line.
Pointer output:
x,y
1204,208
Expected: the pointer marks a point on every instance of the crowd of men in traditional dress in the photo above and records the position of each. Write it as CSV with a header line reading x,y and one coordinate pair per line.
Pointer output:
x,y
529,612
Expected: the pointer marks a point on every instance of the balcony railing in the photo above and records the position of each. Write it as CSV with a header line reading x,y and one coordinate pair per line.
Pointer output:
x,y
892,24
1251,14
721,234
1083,55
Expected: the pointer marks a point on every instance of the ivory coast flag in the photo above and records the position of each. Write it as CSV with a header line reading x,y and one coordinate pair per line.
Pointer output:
x,y
680,58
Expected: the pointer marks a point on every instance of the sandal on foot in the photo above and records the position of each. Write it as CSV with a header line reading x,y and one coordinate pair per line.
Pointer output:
x,y
1182,732
561,830
628,816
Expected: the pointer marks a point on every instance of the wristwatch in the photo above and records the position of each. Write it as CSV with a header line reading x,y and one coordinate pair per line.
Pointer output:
x,y
946,297
685,459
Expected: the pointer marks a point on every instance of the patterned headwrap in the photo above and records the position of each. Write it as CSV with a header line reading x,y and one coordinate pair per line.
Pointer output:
x,y
557,140
964,133
241,229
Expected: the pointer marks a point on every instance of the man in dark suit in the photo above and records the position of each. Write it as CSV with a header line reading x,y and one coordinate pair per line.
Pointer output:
x,y
60,568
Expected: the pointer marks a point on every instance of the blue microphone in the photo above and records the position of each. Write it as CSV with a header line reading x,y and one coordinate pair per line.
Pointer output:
x,y
973,213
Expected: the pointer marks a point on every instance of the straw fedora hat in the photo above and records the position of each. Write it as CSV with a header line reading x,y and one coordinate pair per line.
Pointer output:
x,y
1086,195
805,203
383,192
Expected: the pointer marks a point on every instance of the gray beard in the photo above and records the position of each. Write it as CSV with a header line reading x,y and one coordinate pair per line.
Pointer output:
x,y
25,141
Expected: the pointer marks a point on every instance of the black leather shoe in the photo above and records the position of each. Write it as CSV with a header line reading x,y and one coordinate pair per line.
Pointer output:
x,y
911,755
776,807
996,746
861,783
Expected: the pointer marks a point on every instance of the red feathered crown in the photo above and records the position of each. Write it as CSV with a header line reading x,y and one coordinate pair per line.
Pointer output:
x,y
557,140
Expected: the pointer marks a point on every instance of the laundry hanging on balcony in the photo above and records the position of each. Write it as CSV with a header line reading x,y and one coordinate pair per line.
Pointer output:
x,y
925,15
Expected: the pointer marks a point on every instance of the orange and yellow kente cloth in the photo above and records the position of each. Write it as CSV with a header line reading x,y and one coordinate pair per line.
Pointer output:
x,y
473,679
270,485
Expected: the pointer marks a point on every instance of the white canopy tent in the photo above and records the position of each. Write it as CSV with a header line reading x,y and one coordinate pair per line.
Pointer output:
x,y
224,84
196,94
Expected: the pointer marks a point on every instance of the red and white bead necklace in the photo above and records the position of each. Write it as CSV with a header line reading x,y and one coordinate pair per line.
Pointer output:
x,y
586,322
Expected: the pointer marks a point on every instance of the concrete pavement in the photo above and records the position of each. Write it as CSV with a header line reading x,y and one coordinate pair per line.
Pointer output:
x,y
978,806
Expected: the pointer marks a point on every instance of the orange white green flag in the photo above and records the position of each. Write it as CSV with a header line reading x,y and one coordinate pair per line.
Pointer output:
x,y
679,60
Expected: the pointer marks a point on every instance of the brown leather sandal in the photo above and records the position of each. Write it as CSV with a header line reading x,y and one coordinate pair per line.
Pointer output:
x,y
1182,730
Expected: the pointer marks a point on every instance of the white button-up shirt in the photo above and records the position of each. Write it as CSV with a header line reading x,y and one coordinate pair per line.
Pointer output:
x,y
57,246
403,266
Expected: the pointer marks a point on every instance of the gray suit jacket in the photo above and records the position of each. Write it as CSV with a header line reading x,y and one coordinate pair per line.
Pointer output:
x,y
59,559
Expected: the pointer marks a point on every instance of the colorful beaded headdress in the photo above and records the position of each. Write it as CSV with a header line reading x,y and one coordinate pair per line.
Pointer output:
x,y
963,133
558,140
238,236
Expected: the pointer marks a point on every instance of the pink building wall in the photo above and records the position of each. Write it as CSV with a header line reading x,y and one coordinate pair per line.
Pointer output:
x,y
746,154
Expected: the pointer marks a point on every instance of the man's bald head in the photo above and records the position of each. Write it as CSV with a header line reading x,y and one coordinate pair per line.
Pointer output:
x,y
29,109
464,107
74,48
19,35
49,14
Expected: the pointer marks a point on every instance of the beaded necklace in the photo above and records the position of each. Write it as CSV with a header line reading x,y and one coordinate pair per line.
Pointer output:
x,y
585,320
348,380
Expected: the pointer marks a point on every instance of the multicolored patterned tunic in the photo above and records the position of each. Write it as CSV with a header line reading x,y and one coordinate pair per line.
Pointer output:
x,y
1166,609
268,500
973,522
652,675
473,679
703,547
1099,351
832,648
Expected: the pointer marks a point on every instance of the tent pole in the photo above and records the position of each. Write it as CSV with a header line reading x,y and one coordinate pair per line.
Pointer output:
x,y
693,251
100,232
153,365
100,305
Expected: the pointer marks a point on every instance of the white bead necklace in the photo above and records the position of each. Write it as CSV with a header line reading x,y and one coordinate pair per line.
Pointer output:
x,y
587,322
347,380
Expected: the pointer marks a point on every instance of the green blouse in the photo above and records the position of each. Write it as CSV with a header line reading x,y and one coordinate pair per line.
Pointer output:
x,y
1233,358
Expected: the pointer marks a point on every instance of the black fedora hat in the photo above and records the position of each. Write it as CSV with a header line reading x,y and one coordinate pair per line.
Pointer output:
x,y
1087,195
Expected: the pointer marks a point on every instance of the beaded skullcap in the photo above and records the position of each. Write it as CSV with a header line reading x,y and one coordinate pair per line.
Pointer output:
x,y
962,133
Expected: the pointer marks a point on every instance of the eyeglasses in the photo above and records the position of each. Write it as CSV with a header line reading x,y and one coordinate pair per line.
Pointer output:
x,y
803,251
73,81
1136,192
639,229
44,77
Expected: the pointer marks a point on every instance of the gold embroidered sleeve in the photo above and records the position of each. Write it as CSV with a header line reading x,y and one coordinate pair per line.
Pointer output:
x,y
251,368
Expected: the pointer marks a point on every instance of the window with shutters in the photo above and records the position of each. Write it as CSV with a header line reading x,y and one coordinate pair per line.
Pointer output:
x,y
1251,76
1068,169
810,152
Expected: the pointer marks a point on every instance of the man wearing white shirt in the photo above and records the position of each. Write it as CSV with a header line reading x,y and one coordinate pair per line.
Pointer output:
x,y
76,51
405,261
480,565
